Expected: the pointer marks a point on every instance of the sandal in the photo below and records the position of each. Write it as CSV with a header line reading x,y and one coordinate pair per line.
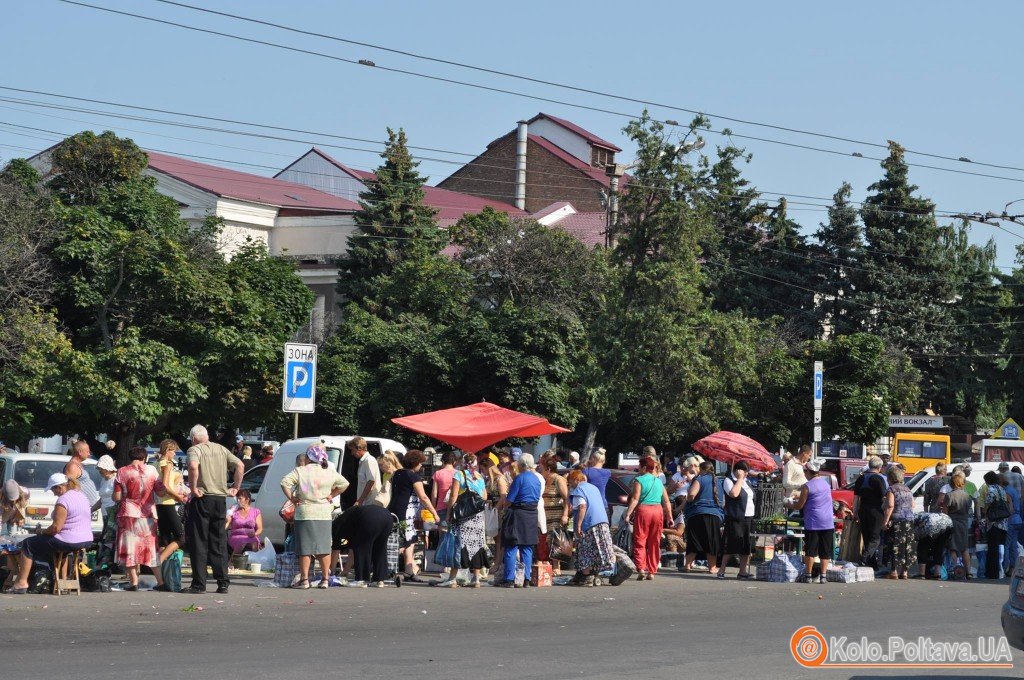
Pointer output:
x,y
641,576
721,574
17,591
301,585
324,584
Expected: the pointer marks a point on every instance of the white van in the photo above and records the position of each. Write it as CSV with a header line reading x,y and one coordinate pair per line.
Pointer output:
x,y
32,470
271,496
977,476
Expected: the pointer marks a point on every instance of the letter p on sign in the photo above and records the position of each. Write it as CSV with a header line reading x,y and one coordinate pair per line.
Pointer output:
x,y
299,394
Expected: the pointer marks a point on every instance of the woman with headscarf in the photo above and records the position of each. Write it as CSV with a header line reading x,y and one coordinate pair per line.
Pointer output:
x,y
470,535
312,488
13,507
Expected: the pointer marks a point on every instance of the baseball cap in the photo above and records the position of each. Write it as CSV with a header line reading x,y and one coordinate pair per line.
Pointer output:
x,y
239,438
56,479
106,463
1004,465
814,464
517,453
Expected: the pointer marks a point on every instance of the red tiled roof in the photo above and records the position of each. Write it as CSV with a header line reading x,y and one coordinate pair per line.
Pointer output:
x,y
596,174
450,205
247,187
586,227
573,127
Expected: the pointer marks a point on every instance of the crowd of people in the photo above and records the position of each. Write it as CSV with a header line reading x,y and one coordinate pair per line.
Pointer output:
x,y
504,512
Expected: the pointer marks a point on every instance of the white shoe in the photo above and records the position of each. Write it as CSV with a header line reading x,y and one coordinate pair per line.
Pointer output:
x,y
356,584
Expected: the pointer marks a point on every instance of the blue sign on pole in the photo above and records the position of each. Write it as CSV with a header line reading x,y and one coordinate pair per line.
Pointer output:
x,y
299,394
300,383
819,383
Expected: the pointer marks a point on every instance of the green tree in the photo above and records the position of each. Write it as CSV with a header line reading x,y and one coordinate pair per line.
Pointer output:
x,y
838,246
155,325
909,277
394,224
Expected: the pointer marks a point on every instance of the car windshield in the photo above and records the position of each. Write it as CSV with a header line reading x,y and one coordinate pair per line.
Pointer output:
x,y
915,480
253,479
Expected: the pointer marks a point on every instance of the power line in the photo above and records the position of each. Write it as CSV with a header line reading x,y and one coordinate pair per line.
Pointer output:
x,y
506,91
576,88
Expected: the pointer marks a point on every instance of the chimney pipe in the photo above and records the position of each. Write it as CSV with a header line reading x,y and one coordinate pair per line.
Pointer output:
x,y
521,133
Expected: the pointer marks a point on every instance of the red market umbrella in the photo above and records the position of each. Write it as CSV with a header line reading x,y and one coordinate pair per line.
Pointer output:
x,y
477,426
730,448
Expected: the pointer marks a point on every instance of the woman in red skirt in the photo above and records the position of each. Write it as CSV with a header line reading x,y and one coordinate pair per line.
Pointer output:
x,y
134,488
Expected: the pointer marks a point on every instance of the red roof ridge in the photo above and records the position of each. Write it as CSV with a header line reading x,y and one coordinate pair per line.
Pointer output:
x,y
246,186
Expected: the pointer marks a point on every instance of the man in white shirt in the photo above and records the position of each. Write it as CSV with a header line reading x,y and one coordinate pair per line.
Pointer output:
x,y
368,482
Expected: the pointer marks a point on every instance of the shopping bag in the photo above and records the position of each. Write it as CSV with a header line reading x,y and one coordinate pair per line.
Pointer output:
x,y
841,572
624,566
447,552
624,536
170,570
286,568
491,524
541,575
266,556
559,544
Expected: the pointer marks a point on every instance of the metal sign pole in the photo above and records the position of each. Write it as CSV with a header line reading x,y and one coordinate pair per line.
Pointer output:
x,y
295,435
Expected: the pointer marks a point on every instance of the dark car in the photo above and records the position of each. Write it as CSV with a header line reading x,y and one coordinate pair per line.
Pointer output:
x,y
1013,610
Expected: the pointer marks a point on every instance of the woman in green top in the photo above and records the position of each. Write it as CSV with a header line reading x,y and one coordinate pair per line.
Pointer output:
x,y
649,510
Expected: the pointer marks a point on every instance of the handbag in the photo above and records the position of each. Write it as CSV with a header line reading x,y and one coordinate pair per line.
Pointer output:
x,y
468,505
998,509
559,544
287,511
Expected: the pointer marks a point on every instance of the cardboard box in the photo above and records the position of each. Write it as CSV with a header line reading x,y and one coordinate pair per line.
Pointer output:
x,y
541,574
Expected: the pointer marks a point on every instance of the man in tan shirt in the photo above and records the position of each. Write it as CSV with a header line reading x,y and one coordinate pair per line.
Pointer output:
x,y
793,475
207,533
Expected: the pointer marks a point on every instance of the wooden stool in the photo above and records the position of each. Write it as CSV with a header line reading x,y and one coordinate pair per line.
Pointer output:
x,y
62,561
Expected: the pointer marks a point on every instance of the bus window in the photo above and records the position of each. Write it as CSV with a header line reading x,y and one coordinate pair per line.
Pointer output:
x,y
915,449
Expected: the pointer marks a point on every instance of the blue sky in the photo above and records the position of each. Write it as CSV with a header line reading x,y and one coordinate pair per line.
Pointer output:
x,y
939,77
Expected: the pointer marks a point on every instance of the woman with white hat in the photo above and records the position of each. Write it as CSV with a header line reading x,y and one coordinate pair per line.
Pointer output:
x,y
70,530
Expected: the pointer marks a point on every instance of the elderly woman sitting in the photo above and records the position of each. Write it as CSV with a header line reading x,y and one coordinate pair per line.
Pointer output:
x,y
71,529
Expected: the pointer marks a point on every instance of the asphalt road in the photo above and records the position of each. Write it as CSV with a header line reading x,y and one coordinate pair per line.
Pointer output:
x,y
676,626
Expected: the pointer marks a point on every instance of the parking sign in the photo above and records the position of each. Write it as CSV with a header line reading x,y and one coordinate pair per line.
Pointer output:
x,y
299,378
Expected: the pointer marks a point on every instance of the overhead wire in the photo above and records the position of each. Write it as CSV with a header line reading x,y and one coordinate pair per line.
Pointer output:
x,y
576,88
489,88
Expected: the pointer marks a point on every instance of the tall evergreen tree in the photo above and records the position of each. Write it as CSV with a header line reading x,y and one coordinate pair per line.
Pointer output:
x,y
838,248
393,226
908,279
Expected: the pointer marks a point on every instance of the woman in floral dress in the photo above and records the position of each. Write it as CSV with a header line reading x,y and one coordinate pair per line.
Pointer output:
x,y
134,488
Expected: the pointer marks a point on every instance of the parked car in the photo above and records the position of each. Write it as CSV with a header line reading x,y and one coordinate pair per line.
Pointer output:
x,y
31,470
252,481
1013,610
271,497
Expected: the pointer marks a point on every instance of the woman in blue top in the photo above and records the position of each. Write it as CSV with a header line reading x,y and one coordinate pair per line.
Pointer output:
x,y
594,551
703,514
649,500
470,533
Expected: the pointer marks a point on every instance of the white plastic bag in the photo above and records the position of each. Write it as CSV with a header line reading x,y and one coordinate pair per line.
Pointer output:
x,y
266,556
491,525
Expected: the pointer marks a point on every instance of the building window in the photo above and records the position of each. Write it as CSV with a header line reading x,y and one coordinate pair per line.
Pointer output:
x,y
599,158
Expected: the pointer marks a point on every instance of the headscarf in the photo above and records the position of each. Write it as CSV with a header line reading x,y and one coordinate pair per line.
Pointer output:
x,y
317,454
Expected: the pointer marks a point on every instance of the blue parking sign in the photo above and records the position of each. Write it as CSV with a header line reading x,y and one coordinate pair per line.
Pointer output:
x,y
300,380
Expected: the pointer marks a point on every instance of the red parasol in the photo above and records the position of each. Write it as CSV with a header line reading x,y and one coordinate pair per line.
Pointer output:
x,y
477,426
730,448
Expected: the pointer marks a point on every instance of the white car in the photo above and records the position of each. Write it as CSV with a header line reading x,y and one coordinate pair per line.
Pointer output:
x,y
32,470
271,496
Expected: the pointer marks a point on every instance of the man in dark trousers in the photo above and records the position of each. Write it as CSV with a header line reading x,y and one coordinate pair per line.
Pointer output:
x,y
867,508
208,465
